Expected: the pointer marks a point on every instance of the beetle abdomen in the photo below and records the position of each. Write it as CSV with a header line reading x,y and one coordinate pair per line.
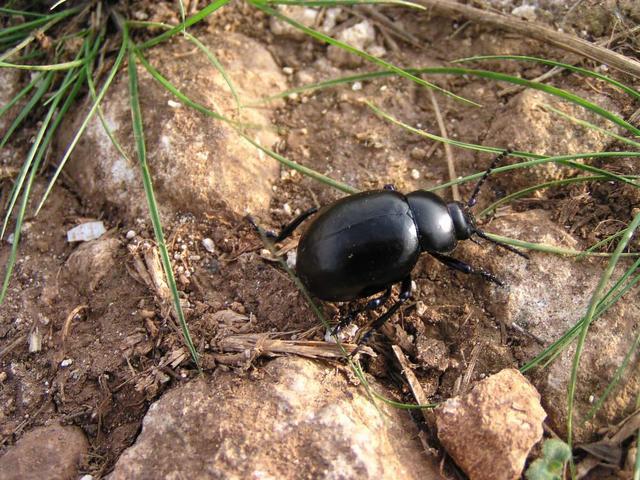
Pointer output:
x,y
358,246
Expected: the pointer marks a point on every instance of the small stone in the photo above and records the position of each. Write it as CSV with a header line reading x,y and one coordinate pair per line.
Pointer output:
x,y
356,86
418,153
86,231
131,234
66,362
291,259
10,239
415,174
45,452
490,431
208,245
287,70
3,376
91,262
304,15
35,341
174,104
528,12
432,353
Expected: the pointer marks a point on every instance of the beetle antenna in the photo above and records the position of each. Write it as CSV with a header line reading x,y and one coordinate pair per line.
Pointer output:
x,y
481,234
474,196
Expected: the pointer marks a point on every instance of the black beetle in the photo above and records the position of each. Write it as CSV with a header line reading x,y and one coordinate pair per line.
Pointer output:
x,y
365,243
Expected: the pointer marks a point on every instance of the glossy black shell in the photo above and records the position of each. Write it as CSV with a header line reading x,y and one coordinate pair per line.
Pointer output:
x,y
358,246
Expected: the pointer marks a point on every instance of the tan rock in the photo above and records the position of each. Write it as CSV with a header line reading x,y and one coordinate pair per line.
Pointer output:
x,y
301,420
54,452
90,262
198,164
490,431
546,297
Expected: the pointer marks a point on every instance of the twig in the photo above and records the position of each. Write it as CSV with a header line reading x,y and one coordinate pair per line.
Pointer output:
x,y
447,148
544,34
544,76
305,348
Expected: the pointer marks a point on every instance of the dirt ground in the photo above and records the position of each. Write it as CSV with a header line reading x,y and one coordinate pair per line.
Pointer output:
x,y
109,349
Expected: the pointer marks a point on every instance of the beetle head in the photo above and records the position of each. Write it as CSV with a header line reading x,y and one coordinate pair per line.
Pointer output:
x,y
463,221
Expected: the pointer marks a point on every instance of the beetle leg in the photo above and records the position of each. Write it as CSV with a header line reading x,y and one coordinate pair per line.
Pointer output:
x,y
465,267
371,305
286,230
405,293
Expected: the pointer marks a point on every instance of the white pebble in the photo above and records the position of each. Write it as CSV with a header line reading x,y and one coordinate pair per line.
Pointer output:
x,y
86,231
208,245
66,362
356,86
292,256
174,104
415,174
287,209
10,239
287,70
131,234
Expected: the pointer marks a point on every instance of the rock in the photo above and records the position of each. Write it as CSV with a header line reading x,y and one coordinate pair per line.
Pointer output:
x,y
304,15
490,431
198,164
90,263
528,126
361,36
546,297
53,452
299,420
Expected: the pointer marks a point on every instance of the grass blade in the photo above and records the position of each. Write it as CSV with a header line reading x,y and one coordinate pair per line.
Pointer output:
x,y
583,71
333,3
585,124
208,53
85,122
138,133
43,87
589,318
332,41
44,68
206,11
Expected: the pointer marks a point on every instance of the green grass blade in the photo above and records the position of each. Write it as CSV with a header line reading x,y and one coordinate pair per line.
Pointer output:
x,y
208,53
32,163
591,126
370,58
589,318
614,381
43,87
206,11
44,68
543,247
85,122
41,144
334,3
501,77
541,186
138,133
38,21
583,71
21,94
608,300
21,13
538,159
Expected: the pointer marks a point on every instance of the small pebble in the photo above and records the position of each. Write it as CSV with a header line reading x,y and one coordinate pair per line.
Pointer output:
x,y
208,245
415,174
287,70
356,86
174,104
287,209
131,234
10,239
291,258
3,376
66,362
